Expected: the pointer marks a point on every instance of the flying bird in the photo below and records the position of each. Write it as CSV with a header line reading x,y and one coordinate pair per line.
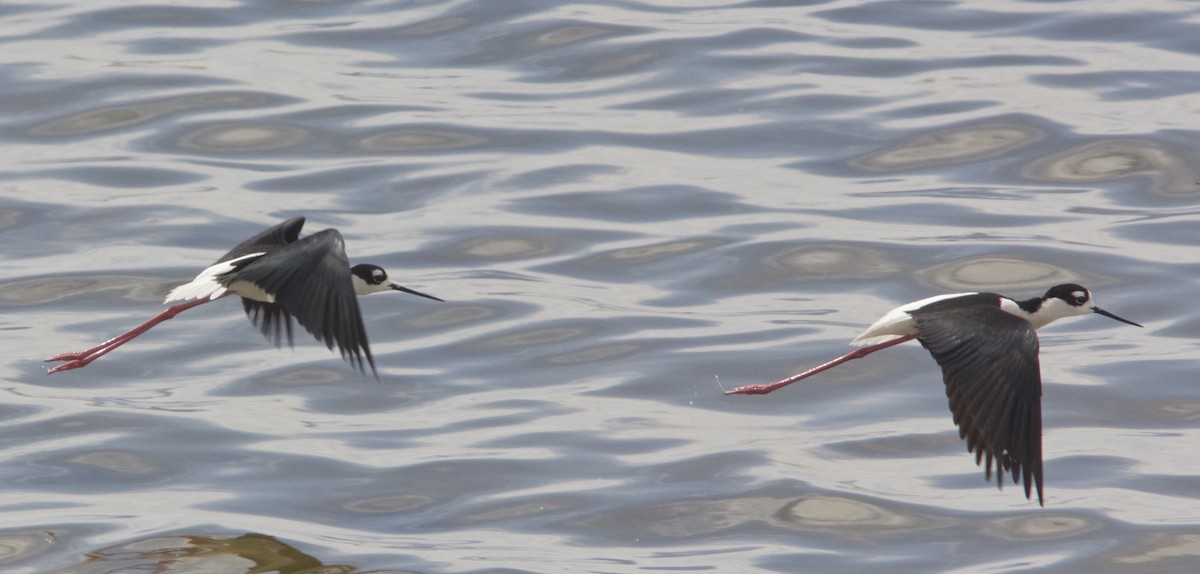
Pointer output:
x,y
987,347
279,276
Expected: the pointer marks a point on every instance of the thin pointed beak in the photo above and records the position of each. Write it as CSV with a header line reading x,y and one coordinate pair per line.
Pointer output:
x,y
1100,311
407,290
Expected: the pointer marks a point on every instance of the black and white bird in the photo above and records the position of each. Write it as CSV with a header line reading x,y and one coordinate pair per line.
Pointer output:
x,y
987,347
279,277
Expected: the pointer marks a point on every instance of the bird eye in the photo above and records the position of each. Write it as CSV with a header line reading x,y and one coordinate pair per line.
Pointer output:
x,y
1081,297
378,276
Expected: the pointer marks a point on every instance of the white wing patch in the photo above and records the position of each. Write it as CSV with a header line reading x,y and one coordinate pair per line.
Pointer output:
x,y
206,283
898,322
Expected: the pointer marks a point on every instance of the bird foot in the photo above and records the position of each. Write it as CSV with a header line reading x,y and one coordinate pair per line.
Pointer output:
x,y
67,357
74,360
70,364
751,390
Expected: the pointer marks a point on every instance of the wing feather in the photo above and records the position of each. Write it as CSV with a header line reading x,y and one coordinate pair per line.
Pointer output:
x,y
277,235
270,318
989,362
310,281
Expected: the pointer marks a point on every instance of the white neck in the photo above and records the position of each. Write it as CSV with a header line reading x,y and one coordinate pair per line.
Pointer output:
x,y
1050,311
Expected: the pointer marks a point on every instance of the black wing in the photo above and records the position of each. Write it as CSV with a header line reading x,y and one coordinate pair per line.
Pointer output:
x,y
310,280
270,318
989,362
271,238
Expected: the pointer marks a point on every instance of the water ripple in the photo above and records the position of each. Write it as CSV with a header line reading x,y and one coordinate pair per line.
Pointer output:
x,y
628,207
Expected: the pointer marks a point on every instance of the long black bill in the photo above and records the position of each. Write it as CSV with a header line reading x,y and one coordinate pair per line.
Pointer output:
x,y
1096,309
407,290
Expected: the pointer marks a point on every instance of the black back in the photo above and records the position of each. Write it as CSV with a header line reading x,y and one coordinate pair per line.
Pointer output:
x,y
989,362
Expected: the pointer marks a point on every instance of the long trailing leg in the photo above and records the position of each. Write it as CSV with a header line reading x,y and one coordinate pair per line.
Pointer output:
x,y
855,354
82,358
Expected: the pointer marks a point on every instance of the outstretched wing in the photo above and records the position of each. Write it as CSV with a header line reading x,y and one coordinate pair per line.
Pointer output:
x,y
271,237
310,280
989,362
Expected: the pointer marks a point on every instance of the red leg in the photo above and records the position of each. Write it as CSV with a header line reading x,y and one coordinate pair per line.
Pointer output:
x,y
82,358
855,354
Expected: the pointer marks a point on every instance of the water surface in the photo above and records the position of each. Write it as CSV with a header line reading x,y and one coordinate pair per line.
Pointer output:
x,y
627,207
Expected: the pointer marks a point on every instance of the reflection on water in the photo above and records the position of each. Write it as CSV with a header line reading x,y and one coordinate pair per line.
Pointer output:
x,y
1042,527
507,247
406,141
1161,552
1114,159
55,289
995,274
628,207
651,253
242,137
123,116
957,145
816,261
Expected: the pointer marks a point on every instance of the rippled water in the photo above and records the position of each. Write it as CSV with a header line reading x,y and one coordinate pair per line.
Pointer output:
x,y
627,206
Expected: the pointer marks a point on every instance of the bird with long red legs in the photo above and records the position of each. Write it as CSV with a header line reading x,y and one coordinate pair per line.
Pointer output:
x,y
987,347
279,276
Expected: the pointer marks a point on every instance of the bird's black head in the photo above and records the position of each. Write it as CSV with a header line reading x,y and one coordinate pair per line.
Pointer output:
x,y
1068,300
370,274
1070,293
369,278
